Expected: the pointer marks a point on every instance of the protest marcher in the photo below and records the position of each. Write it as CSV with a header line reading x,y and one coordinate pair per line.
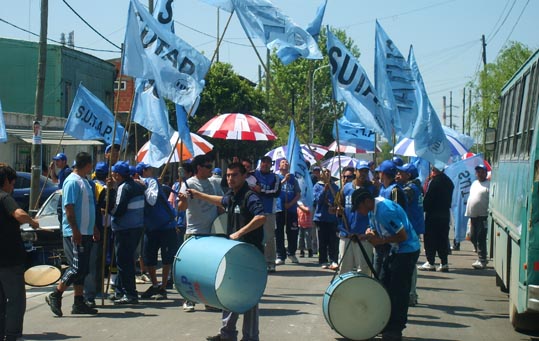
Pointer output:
x,y
477,211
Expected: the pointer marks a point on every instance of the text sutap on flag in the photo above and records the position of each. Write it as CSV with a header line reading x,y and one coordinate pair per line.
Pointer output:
x,y
394,82
428,134
261,19
154,52
149,109
462,173
162,12
298,166
3,133
354,133
90,119
351,85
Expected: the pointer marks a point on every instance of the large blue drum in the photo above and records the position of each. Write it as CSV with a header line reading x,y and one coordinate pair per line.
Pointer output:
x,y
221,273
356,306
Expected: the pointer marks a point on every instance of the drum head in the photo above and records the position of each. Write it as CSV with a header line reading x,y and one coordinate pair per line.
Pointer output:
x,y
359,307
42,275
219,224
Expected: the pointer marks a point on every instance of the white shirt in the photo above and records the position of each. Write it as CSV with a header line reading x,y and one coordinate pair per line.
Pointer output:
x,y
477,205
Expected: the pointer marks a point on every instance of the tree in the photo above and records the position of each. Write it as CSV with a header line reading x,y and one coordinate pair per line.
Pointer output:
x,y
489,82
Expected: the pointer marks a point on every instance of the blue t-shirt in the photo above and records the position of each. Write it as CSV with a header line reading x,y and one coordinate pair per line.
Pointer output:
x,y
289,190
357,223
78,192
388,218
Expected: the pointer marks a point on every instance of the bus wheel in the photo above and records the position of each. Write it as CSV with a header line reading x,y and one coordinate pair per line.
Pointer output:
x,y
524,322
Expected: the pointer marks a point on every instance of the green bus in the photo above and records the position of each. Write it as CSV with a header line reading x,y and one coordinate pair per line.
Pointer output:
x,y
514,198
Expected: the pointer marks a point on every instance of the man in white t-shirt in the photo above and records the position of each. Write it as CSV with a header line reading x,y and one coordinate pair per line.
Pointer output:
x,y
477,211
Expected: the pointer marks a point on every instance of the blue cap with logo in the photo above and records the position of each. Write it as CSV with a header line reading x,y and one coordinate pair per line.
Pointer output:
x,y
410,169
217,171
397,161
387,167
362,165
102,167
141,166
122,168
60,156
481,166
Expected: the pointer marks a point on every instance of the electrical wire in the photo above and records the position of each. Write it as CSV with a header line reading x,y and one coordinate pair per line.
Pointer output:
x,y
503,22
515,25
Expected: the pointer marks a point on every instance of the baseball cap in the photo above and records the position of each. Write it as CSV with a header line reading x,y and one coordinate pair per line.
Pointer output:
x,y
102,167
481,166
107,150
266,158
387,167
60,156
316,168
217,171
132,170
362,165
121,167
141,166
397,161
410,169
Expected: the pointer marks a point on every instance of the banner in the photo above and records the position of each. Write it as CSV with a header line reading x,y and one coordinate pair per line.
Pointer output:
x,y
395,82
429,137
351,85
298,166
149,110
162,12
154,52
3,133
354,133
462,173
90,119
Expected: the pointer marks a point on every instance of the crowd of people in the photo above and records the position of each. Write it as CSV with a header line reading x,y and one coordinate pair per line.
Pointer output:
x,y
370,222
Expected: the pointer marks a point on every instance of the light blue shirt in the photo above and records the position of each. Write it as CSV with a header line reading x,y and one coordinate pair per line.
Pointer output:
x,y
78,192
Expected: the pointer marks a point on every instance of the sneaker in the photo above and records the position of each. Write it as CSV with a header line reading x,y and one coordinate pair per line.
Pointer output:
x,y
271,268
139,280
55,302
333,266
310,253
114,297
218,338
188,306
302,254
325,266
151,291
412,302
161,294
90,303
479,265
83,309
145,278
126,300
426,267
443,268
212,309
293,259
279,261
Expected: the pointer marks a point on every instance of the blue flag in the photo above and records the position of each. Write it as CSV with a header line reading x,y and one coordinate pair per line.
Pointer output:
x,y
3,133
429,137
351,85
298,166
395,82
90,119
149,110
463,174
354,133
162,12
154,52
261,19
159,150
183,128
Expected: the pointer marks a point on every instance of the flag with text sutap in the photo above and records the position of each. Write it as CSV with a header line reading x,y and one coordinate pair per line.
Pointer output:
x,y
153,52
3,133
90,119
351,85
429,138
298,166
162,12
395,83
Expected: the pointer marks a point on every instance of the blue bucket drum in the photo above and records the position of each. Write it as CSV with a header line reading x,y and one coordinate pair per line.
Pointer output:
x,y
356,306
220,272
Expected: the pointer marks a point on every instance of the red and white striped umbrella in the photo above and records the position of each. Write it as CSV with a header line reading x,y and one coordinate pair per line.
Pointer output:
x,y
181,152
350,148
236,126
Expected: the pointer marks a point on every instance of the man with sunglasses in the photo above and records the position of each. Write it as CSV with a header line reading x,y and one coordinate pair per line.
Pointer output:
x,y
200,214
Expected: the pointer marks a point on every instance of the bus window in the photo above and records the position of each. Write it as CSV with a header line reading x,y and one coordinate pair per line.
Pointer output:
x,y
520,118
515,109
533,105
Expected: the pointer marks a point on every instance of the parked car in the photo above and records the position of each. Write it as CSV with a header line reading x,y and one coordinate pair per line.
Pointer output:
x,y
44,246
22,189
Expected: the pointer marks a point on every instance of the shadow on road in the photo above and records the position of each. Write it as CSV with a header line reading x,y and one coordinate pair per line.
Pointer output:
x,y
50,336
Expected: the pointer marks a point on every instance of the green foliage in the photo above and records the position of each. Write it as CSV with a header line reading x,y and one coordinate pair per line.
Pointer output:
x,y
489,82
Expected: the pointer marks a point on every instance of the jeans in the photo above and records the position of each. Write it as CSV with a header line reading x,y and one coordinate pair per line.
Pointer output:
x,y
305,241
397,279
290,219
328,242
250,325
12,302
478,231
93,282
269,238
125,243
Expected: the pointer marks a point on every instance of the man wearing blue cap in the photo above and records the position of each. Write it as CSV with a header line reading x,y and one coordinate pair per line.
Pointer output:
x,y
477,211
60,163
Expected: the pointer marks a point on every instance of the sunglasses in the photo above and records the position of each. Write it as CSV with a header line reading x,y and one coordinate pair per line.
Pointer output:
x,y
349,176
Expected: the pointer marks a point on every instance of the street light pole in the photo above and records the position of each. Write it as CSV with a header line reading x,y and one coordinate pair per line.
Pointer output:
x,y
311,110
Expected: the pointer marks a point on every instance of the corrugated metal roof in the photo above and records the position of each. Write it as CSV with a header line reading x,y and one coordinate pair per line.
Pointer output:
x,y
53,137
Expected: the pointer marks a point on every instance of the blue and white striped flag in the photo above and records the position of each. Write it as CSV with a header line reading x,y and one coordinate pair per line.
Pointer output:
x,y
428,134
3,133
298,166
351,85
90,119
154,52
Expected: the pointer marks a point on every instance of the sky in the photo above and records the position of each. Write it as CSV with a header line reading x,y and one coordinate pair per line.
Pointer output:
x,y
446,34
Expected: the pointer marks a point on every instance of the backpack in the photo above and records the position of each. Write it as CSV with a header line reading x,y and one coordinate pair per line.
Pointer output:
x,y
160,216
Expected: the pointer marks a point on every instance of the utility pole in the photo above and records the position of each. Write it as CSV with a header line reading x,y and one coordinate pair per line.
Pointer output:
x,y
443,110
469,110
451,109
463,107
217,52
38,108
150,6
482,94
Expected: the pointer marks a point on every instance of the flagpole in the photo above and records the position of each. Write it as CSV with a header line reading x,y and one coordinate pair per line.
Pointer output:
x,y
49,171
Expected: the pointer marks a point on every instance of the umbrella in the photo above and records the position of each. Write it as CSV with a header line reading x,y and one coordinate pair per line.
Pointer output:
x,y
200,145
406,147
236,126
470,154
335,167
316,152
348,148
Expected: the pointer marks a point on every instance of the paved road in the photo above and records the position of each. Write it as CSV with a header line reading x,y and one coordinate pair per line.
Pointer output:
x,y
463,304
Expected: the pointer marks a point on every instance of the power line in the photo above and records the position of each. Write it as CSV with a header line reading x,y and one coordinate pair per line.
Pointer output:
x,y
503,22
516,23
90,26
499,18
